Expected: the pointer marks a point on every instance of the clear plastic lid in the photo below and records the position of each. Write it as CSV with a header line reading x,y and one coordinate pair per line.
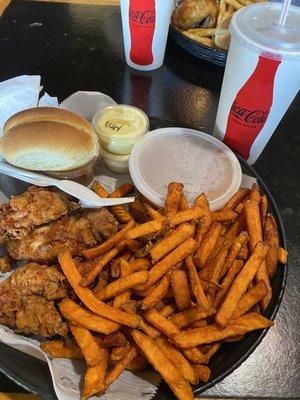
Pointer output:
x,y
200,161
258,24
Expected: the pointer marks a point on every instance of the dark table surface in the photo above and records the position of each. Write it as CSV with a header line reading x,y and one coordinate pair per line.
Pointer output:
x,y
79,47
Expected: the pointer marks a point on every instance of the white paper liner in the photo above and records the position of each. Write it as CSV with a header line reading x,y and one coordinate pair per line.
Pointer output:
x,y
67,374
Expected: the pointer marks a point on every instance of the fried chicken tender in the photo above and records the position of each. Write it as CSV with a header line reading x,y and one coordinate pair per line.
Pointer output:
x,y
27,300
34,207
75,232
192,13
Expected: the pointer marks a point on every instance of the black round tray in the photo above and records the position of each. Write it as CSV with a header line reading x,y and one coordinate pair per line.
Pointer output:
x,y
211,54
33,375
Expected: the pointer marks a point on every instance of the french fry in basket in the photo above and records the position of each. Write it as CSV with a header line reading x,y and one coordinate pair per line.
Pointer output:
x,y
254,194
124,297
89,346
140,263
58,349
235,4
157,293
121,365
235,249
263,209
163,366
117,353
202,371
176,237
189,316
122,284
223,215
116,339
212,350
240,284
172,259
145,229
87,297
180,289
211,333
108,244
183,204
196,285
208,243
250,298
138,210
122,190
175,356
203,228
222,10
139,363
237,198
282,255
199,39
234,269
85,318
271,238
149,329
101,263
168,329
173,198
151,212
185,216
254,229
244,253
94,378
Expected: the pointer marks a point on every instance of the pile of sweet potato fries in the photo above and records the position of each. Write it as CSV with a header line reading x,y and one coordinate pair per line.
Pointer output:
x,y
169,288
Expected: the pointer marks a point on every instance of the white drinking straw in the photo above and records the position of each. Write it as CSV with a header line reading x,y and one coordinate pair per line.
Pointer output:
x,y
284,12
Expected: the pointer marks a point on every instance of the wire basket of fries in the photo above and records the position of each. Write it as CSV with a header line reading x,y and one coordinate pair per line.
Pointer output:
x,y
201,27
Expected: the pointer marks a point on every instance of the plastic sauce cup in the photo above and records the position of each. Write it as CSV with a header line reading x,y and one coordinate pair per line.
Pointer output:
x,y
119,127
200,161
115,162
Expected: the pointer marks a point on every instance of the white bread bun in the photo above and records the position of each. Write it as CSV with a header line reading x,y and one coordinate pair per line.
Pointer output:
x,y
48,139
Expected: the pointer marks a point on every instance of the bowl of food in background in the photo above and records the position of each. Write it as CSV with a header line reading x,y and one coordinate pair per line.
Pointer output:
x,y
201,27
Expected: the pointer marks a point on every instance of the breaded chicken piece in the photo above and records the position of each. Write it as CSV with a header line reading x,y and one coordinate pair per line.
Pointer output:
x,y
32,208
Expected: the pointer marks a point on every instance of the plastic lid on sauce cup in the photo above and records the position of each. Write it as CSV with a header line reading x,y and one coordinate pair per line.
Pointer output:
x,y
200,161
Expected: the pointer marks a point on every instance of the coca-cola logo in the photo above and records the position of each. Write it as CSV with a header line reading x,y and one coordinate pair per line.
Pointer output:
x,y
249,116
143,17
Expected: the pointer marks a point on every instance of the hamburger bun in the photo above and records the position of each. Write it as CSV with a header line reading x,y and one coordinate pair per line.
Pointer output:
x,y
48,139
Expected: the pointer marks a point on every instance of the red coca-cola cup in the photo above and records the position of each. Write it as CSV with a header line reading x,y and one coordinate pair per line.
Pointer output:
x,y
261,77
145,29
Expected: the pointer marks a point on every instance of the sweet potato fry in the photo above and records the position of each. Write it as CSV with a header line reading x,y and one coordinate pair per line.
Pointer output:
x,y
94,379
122,284
108,244
121,366
175,356
240,284
208,243
88,344
213,268
163,366
183,204
212,350
117,353
234,269
202,202
167,310
168,328
171,241
282,255
148,329
263,209
157,293
250,298
173,198
202,371
151,212
99,189
244,253
212,333
138,210
140,263
237,198
254,193
223,215
271,238
103,261
123,297
139,363
196,285
145,229
239,208
189,316
255,235
236,247
203,228
85,318
58,349
166,263
122,190
87,297
180,289
116,339
185,216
